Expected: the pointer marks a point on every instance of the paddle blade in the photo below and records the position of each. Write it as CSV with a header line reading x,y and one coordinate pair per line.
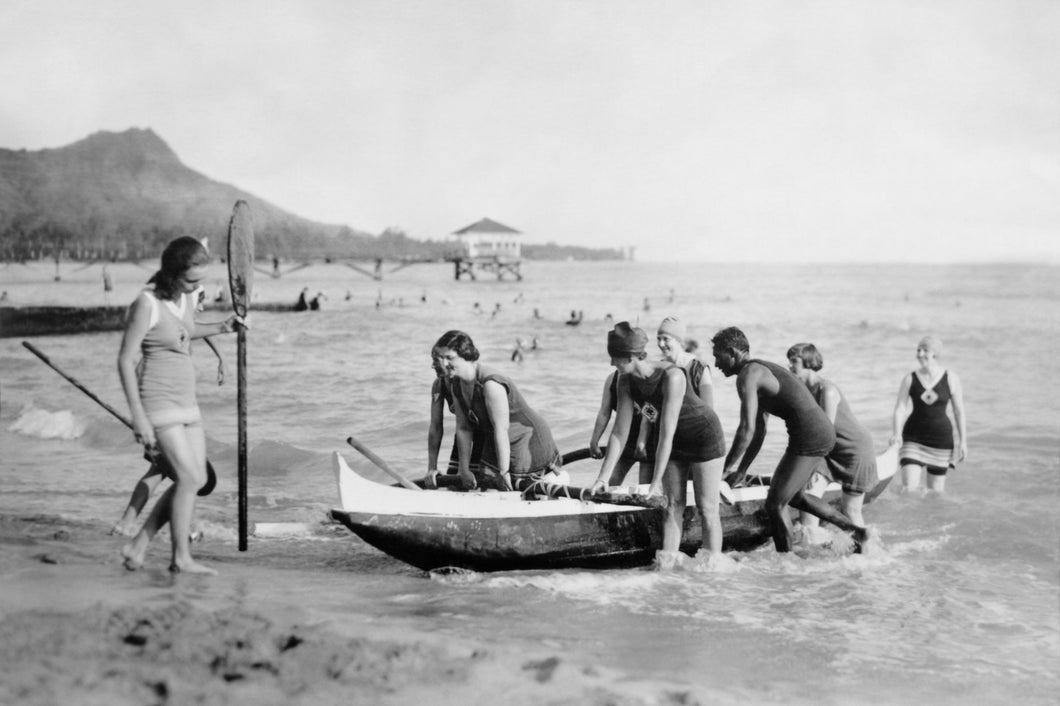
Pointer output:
x,y
241,257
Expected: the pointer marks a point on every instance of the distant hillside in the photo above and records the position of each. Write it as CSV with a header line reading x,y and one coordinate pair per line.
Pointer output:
x,y
125,195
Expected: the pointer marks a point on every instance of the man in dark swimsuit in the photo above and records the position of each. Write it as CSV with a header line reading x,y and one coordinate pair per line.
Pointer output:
x,y
766,388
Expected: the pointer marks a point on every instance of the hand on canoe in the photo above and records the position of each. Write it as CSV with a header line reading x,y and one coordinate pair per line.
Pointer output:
x,y
467,480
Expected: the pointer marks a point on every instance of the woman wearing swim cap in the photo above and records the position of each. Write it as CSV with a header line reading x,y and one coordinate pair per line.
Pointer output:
x,y
686,438
920,421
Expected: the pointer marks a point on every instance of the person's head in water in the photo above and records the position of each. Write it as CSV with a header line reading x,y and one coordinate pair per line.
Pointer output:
x,y
182,269
730,349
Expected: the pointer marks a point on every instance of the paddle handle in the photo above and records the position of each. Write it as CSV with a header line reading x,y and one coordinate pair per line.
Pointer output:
x,y
73,381
241,421
211,475
405,482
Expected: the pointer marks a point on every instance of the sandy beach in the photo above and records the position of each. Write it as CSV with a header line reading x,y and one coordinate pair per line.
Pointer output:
x,y
78,629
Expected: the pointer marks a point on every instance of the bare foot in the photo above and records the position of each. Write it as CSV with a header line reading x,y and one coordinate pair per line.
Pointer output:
x,y
132,556
123,529
191,567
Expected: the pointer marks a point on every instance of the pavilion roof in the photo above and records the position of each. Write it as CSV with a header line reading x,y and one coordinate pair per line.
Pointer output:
x,y
485,225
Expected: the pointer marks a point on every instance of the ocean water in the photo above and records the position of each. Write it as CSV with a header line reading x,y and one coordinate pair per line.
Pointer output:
x,y
962,606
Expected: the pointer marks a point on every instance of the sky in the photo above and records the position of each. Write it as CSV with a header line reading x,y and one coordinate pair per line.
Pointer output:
x,y
691,130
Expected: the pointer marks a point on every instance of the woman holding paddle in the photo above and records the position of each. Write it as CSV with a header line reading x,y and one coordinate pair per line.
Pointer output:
x,y
517,445
686,438
160,391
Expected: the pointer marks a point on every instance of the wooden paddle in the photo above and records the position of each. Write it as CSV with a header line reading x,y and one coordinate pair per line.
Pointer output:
x,y
405,482
241,283
211,475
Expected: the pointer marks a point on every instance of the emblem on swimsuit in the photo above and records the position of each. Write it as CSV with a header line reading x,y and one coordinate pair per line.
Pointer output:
x,y
929,397
649,412
183,339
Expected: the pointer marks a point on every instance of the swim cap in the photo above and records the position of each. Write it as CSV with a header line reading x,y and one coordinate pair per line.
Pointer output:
x,y
624,340
672,326
933,344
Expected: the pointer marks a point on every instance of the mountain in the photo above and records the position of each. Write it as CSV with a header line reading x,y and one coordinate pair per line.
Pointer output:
x,y
124,195
127,194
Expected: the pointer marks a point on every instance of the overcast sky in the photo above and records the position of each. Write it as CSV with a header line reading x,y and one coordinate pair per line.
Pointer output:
x,y
840,130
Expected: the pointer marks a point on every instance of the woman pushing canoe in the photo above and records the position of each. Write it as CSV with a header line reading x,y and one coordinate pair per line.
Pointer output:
x,y
517,445
686,438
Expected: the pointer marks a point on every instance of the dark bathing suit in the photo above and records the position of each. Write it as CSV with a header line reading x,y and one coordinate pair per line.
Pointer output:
x,y
630,451
532,449
927,437
698,436
810,433
446,391
852,462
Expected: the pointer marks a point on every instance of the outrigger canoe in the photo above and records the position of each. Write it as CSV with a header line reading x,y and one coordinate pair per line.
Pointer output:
x,y
502,531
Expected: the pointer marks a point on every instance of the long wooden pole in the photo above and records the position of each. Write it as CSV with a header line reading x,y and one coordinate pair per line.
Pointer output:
x,y
240,282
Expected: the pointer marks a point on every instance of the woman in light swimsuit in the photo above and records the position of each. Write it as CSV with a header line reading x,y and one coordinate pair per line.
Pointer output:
x,y
161,393
921,423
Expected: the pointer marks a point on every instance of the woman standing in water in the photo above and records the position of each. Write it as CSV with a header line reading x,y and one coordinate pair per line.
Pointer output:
x,y
161,393
686,438
852,461
517,445
926,434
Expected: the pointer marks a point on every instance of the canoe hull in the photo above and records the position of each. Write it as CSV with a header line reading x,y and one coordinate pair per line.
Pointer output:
x,y
59,320
622,538
501,532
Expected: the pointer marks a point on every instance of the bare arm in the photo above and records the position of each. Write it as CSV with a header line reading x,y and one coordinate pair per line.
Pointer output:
x,y
752,428
673,393
901,409
136,328
496,398
603,416
957,400
619,433
831,401
436,429
464,437
706,387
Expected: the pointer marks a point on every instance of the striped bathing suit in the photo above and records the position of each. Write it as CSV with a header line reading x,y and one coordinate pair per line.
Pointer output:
x,y
927,437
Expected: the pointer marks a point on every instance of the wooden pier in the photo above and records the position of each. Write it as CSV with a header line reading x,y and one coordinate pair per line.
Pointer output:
x,y
499,266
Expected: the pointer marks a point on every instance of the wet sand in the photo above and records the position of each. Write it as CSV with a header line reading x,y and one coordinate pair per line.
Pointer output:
x,y
75,628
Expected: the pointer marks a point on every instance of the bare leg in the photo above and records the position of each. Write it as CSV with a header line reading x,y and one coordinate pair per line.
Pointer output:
x,y
851,505
706,483
910,476
675,480
185,448
935,483
816,488
646,472
790,477
135,550
140,495
618,475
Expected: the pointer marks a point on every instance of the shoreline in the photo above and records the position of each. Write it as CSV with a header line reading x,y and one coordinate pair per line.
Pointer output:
x,y
77,628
